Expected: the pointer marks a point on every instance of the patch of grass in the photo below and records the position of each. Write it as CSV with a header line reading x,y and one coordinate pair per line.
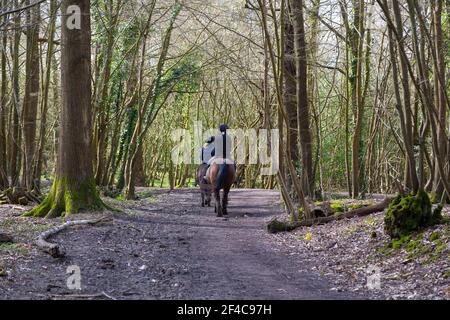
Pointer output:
x,y
120,197
301,212
400,242
14,248
436,252
434,236
439,248
385,249
23,227
413,245
158,183
416,248
144,194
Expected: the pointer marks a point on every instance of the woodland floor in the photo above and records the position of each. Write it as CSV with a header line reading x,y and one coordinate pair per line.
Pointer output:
x,y
165,246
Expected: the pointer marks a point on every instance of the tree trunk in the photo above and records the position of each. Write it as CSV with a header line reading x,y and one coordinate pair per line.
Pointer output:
x,y
148,111
74,188
440,99
412,181
31,99
141,179
303,116
357,41
3,110
46,89
290,93
103,100
14,141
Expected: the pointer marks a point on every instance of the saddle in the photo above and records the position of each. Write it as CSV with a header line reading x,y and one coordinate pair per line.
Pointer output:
x,y
218,161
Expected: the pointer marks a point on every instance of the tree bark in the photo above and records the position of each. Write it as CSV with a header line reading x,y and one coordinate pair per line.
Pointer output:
x,y
303,114
3,109
14,134
290,91
440,99
31,99
45,94
412,181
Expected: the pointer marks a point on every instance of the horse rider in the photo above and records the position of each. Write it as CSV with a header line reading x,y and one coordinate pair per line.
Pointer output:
x,y
207,151
222,148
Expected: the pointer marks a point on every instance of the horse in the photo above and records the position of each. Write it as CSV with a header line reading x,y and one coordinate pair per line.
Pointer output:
x,y
205,187
221,176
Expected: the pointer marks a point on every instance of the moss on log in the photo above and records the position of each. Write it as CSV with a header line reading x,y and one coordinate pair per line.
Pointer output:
x,y
276,226
279,226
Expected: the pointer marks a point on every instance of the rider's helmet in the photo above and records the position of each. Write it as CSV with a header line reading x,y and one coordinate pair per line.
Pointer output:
x,y
223,127
211,139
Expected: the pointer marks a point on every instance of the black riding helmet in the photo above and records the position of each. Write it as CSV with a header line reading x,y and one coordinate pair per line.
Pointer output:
x,y
211,139
223,127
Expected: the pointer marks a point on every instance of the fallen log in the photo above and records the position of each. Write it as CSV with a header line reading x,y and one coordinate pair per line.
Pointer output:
x,y
57,250
275,225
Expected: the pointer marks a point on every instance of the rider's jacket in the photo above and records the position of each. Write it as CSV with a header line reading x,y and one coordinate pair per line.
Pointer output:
x,y
207,152
223,145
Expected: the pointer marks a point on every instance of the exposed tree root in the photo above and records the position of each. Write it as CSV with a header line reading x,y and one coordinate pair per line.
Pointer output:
x,y
20,196
57,250
275,225
81,296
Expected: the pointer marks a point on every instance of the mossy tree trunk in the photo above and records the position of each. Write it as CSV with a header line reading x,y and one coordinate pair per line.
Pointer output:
x,y
74,187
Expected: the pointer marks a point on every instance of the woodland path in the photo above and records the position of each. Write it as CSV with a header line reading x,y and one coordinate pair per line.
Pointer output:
x,y
168,247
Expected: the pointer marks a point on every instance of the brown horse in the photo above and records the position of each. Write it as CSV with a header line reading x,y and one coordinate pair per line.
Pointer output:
x,y
221,176
205,187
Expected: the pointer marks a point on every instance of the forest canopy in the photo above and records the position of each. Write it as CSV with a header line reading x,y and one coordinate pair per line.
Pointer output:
x,y
359,91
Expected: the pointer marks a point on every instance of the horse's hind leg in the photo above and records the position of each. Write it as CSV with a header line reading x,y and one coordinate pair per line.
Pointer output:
x,y
225,201
218,205
208,198
203,198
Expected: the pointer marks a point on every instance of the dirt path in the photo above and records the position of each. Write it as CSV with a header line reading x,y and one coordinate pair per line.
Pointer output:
x,y
169,247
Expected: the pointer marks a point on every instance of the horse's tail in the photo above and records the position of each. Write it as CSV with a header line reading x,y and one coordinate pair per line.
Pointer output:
x,y
221,177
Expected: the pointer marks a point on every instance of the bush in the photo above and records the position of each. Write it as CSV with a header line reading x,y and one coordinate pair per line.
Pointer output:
x,y
408,213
